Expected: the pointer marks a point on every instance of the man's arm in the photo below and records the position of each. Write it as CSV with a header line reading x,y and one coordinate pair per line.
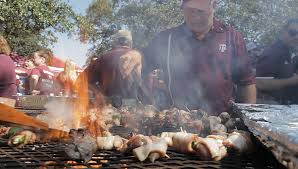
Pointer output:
x,y
33,82
275,84
243,75
248,94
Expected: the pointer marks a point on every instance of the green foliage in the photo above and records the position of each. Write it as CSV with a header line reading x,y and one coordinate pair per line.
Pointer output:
x,y
258,20
148,18
99,24
30,24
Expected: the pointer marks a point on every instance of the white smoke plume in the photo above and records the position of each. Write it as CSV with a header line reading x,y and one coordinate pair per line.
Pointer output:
x,y
59,114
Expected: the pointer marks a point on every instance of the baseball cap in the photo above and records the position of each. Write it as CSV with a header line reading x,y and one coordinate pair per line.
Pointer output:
x,y
122,34
203,4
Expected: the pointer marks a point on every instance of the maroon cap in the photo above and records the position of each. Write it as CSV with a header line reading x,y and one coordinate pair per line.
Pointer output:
x,y
203,5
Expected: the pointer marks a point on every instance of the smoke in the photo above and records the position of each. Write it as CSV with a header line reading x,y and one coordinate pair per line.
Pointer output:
x,y
183,71
59,114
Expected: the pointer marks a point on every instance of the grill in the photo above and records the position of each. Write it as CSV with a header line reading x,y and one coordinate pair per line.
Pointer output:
x,y
51,156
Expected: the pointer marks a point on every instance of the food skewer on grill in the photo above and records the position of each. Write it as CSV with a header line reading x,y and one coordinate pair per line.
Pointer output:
x,y
22,138
11,115
135,142
153,150
210,148
240,141
81,145
110,142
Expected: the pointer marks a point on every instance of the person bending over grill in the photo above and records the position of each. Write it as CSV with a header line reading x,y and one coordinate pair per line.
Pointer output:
x,y
203,60
280,62
41,79
108,73
8,86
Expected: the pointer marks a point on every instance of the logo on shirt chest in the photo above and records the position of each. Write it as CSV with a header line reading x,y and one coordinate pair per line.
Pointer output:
x,y
222,48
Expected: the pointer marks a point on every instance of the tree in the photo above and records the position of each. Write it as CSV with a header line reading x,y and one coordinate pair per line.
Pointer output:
x,y
258,20
99,24
147,18
107,16
30,24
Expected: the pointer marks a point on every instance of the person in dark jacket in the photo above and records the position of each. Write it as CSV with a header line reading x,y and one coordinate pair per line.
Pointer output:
x,y
107,73
203,60
277,67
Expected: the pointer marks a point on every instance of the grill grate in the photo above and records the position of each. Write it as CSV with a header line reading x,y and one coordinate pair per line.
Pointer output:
x,y
51,156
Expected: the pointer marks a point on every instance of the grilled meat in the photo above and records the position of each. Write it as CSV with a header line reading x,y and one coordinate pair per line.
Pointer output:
x,y
10,132
214,121
224,116
129,118
198,114
239,141
110,142
152,150
210,148
135,142
175,118
111,116
4,131
195,126
183,142
219,128
82,146
22,138
219,133
233,123
206,124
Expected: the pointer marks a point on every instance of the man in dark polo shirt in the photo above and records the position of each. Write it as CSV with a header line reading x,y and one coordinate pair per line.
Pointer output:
x,y
279,61
106,72
203,60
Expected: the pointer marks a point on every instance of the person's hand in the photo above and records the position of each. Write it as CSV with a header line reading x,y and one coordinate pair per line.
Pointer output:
x,y
294,79
35,92
129,63
155,80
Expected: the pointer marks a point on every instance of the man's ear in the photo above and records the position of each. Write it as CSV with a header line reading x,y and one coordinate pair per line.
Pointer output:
x,y
43,59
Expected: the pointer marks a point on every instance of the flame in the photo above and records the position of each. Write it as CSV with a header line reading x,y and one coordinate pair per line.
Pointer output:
x,y
81,104
54,135
73,164
88,114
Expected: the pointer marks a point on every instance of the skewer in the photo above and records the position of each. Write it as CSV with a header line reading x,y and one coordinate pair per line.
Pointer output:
x,y
11,115
187,108
183,131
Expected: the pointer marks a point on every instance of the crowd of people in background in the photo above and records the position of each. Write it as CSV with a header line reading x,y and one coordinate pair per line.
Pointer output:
x,y
201,61
40,73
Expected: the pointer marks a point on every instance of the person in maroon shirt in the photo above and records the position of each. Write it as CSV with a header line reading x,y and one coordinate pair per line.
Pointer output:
x,y
203,60
106,72
23,72
279,61
41,80
8,86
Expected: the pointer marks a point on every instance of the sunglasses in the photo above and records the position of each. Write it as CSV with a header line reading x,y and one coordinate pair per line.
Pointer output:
x,y
293,32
